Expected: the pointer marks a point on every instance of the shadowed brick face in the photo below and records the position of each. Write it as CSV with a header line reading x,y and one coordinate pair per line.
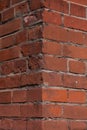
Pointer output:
x,y
43,64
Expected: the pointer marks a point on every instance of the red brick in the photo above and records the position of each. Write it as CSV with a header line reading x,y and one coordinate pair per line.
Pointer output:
x,y
77,67
34,94
58,5
16,66
20,66
75,81
53,48
32,48
55,125
70,81
32,125
10,27
77,125
9,82
53,94
21,37
8,14
47,94
52,79
31,79
36,4
35,33
77,96
21,9
4,4
51,17
52,32
45,124
9,111
53,63
35,63
19,96
75,52
9,54
51,110
71,22
5,97
79,2
6,124
19,124
77,10
16,81
31,110
43,82
7,41
39,110
75,112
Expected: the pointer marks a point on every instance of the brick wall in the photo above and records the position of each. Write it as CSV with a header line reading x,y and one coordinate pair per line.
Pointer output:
x,y
43,65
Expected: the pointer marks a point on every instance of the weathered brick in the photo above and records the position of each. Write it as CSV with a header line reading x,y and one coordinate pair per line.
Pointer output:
x,y
10,27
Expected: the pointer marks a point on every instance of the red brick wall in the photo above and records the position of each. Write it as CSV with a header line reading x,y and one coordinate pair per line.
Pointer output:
x,y
43,65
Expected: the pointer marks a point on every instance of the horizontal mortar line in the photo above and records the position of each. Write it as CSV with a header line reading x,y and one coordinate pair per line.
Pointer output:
x,y
62,104
23,73
64,42
63,88
16,59
26,87
43,70
16,118
57,119
11,33
76,3
65,14
43,119
34,40
42,86
64,27
42,102
62,72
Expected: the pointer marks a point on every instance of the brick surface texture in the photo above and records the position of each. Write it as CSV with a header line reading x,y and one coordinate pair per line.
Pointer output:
x,y
43,64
